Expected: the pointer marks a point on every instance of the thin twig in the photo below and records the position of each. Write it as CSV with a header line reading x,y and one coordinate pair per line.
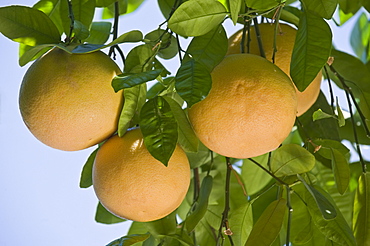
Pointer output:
x,y
268,172
115,35
196,184
290,211
225,213
276,29
330,89
72,23
259,39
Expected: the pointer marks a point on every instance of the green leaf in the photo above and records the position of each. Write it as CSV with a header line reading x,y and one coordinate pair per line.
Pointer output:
x,y
311,49
165,226
326,208
360,35
349,6
366,5
193,82
241,223
125,7
128,37
323,8
335,229
327,144
187,138
80,31
128,80
341,119
325,128
86,174
341,170
261,5
166,41
83,11
105,217
34,52
159,128
254,177
197,17
361,210
201,157
268,226
134,100
346,132
210,48
353,70
291,159
235,6
104,3
27,26
200,205
129,240
166,7
319,115
57,10
99,32
139,59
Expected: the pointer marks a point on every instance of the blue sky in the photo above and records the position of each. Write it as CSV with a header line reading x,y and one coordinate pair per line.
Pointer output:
x,y
41,202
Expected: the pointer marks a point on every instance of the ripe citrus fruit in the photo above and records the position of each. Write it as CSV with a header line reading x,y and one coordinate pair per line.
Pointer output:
x,y
250,109
284,43
67,101
132,184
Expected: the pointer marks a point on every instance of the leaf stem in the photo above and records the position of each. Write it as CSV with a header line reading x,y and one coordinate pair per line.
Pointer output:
x,y
349,96
115,35
268,172
290,212
330,89
196,183
276,30
245,34
259,39
72,23
225,213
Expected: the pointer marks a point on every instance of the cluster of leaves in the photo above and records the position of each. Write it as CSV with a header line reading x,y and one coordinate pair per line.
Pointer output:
x,y
307,192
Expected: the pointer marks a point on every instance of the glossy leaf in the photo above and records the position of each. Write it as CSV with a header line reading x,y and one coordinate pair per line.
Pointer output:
x,y
193,82
33,52
57,10
360,36
241,223
99,32
311,49
166,7
105,217
83,11
200,205
261,5
139,59
325,207
335,229
128,80
210,48
159,128
197,17
361,210
341,170
319,115
27,26
129,240
326,145
166,41
325,128
128,37
235,6
254,177
80,31
323,8
164,226
341,119
352,70
291,159
86,174
187,138
134,100
268,226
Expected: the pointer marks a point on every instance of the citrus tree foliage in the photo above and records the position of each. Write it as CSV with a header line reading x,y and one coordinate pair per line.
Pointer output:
x,y
306,192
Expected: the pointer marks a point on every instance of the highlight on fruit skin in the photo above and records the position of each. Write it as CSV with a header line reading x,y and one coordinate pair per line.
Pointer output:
x,y
250,109
132,184
67,101
284,43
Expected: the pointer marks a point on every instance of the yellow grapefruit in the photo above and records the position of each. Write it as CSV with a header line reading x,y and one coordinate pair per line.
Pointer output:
x,y
284,43
67,101
132,184
250,109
